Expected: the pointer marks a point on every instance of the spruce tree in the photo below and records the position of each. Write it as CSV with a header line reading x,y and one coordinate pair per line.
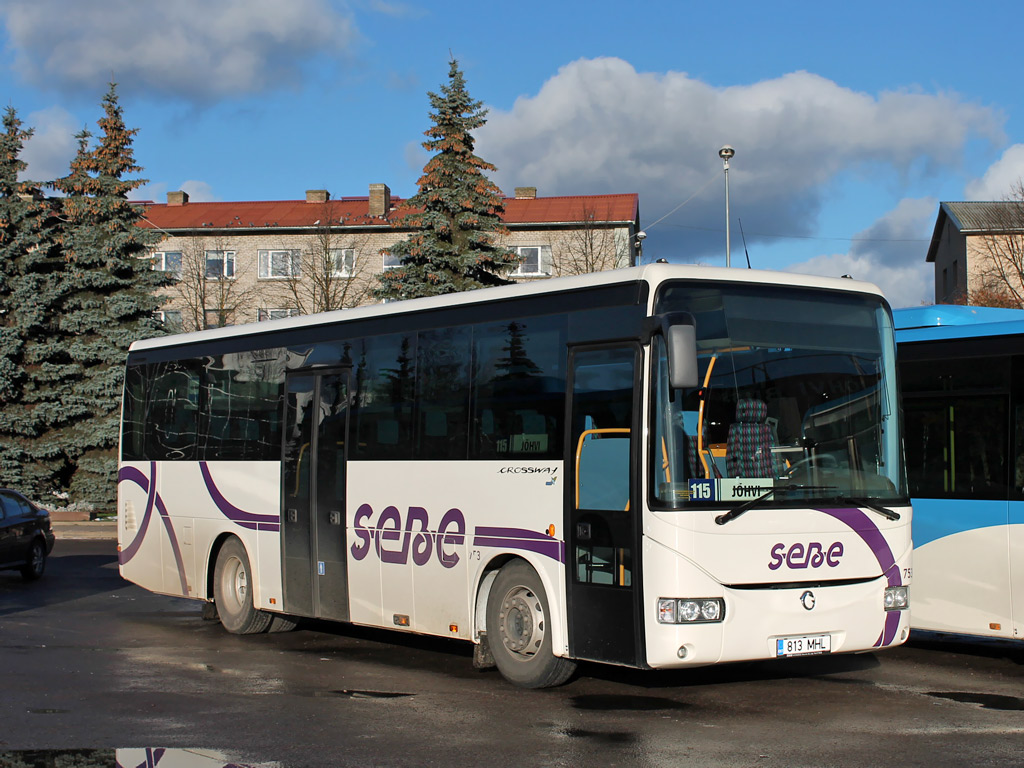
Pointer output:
x,y
31,355
456,214
111,296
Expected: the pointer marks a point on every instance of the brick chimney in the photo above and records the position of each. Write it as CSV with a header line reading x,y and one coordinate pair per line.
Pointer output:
x,y
526,193
317,195
380,200
177,198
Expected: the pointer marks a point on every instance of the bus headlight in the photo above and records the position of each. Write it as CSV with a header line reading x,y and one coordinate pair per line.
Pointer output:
x,y
895,599
687,610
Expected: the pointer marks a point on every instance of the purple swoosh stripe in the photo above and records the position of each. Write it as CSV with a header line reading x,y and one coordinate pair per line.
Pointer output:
x,y
250,520
520,538
868,531
134,475
131,474
166,519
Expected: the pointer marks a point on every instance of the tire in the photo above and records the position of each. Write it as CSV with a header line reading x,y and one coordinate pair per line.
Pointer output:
x,y
281,623
232,593
518,629
36,563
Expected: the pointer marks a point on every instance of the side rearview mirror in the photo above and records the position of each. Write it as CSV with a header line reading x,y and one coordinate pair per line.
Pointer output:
x,y
682,356
679,329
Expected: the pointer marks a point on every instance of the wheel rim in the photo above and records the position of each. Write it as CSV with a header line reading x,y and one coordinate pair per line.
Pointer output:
x,y
521,622
235,583
37,558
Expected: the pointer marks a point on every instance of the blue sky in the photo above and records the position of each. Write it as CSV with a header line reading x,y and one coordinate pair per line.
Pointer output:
x,y
850,123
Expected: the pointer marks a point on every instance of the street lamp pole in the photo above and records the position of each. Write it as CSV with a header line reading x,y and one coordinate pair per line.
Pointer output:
x,y
726,153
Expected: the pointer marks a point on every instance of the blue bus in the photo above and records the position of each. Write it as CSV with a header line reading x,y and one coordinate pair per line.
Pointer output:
x,y
962,383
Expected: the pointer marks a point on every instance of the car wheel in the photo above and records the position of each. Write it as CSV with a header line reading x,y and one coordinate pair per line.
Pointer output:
x,y
519,629
36,563
232,591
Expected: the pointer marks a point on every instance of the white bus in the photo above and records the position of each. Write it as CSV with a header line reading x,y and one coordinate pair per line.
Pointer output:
x,y
656,467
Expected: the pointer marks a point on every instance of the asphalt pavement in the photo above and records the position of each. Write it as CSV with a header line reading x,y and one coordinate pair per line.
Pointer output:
x,y
87,529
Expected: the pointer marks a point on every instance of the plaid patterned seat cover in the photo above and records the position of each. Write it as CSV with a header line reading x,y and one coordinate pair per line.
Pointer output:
x,y
748,448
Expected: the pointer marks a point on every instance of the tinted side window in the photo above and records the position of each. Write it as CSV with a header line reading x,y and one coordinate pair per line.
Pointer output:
x,y
384,376
133,435
519,389
172,415
442,424
956,415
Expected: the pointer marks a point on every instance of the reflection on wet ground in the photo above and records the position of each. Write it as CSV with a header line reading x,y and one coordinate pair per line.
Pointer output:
x,y
149,757
362,694
985,700
612,703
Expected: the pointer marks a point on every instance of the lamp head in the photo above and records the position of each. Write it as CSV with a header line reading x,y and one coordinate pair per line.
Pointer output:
x,y
726,153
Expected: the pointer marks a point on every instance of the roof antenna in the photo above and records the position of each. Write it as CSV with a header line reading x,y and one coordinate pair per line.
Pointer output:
x,y
744,241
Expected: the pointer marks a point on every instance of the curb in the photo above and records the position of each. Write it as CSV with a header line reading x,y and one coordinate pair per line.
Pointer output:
x,y
92,529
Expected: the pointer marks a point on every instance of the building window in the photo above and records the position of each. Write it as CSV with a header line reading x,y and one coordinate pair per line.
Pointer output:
x,y
170,319
390,262
220,264
343,261
168,261
279,265
536,261
275,314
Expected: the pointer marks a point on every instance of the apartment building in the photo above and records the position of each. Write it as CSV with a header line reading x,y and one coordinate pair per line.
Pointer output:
x,y
237,262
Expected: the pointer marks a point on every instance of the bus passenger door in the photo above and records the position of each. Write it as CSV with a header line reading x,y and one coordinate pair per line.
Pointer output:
x,y
315,571
602,555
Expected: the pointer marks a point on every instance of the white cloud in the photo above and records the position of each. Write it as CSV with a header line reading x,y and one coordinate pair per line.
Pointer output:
x,y
599,125
52,147
190,49
889,254
154,192
198,191
1000,178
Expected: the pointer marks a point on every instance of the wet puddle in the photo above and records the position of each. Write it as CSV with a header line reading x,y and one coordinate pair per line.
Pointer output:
x,y
601,737
150,757
984,700
613,703
362,694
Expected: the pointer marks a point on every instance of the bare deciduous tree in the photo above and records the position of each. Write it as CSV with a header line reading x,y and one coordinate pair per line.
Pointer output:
x,y
591,247
336,272
211,289
1000,272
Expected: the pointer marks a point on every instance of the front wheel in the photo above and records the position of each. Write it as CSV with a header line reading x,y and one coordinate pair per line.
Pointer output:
x,y
36,563
232,591
519,629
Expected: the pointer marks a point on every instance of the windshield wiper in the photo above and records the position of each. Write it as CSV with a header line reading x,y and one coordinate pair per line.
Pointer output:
x,y
874,506
735,512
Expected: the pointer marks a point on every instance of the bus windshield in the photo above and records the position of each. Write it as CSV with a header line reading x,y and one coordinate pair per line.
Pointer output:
x,y
796,399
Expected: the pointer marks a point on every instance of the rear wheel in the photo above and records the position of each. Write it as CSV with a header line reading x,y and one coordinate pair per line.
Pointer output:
x,y
36,563
519,629
232,591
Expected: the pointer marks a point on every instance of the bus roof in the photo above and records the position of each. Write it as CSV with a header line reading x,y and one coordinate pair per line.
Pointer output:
x,y
650,273
948,321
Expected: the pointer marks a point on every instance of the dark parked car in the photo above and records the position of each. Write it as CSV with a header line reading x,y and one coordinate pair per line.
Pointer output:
x,y
25,535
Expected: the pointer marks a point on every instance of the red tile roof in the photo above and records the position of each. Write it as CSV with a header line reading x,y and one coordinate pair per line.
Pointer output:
x,y
354,211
